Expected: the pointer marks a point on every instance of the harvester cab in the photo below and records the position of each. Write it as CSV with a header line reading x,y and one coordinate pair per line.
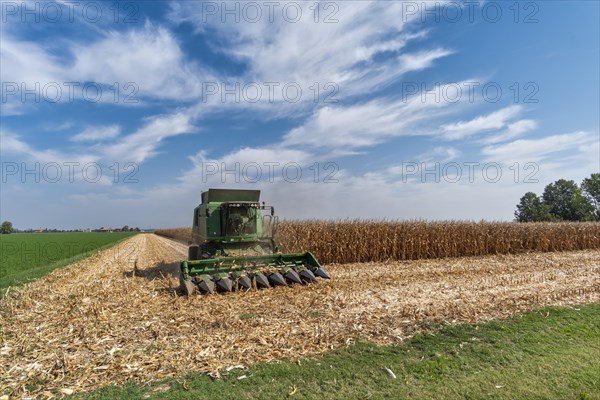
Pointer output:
x,y
233,247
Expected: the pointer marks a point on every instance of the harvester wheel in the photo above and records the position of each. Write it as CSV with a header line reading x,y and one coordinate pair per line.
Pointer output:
x,y
187,287
193,252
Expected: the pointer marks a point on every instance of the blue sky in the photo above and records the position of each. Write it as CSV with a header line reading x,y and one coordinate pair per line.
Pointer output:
x,y
124,112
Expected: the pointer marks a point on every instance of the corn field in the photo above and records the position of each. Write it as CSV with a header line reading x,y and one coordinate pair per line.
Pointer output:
x,y
349,241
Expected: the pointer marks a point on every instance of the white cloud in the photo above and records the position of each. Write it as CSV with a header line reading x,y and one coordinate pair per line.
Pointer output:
x,y
12,144
493,121
535,150
136,147
27,62
351,127
345,128
422,59
145,63
144,142
305,52
388,195
150,58
26,67
245,165
441,154
512,130
97,134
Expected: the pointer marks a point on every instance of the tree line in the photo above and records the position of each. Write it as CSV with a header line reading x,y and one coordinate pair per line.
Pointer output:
x,y
7,227
562,200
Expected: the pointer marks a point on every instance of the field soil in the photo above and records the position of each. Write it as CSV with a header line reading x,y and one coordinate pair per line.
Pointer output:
x,y
118,315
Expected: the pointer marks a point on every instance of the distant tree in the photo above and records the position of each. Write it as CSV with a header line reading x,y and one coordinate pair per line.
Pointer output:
x,y
567,201
6,227
137,229
125,228
532,209
591,190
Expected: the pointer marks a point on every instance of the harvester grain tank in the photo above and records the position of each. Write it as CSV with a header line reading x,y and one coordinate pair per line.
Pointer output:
x,y
233,247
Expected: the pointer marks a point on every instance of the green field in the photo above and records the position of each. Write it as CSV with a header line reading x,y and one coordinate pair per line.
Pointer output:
x,y
551,353
27,256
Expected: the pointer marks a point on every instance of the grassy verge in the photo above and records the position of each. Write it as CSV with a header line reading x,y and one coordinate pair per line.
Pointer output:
x,y
26,257
551,353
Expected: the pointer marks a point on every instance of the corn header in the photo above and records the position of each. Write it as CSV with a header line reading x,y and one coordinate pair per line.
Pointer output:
x,y
233,247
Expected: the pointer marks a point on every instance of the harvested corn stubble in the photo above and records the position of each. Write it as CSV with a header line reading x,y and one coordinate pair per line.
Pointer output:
x,y
99,321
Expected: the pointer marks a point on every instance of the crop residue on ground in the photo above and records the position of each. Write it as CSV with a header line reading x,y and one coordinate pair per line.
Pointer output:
x,y
117,316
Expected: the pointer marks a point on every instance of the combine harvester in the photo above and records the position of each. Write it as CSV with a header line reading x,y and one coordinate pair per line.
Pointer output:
x,y
233,247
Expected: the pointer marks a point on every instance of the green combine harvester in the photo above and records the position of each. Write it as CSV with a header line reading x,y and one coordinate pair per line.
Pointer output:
x,y
233,247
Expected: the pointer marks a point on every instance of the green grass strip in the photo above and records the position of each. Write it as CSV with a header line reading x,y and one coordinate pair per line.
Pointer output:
x,y
16,270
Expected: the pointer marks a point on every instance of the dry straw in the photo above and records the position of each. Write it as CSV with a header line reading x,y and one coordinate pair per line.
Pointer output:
x,y
117,316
